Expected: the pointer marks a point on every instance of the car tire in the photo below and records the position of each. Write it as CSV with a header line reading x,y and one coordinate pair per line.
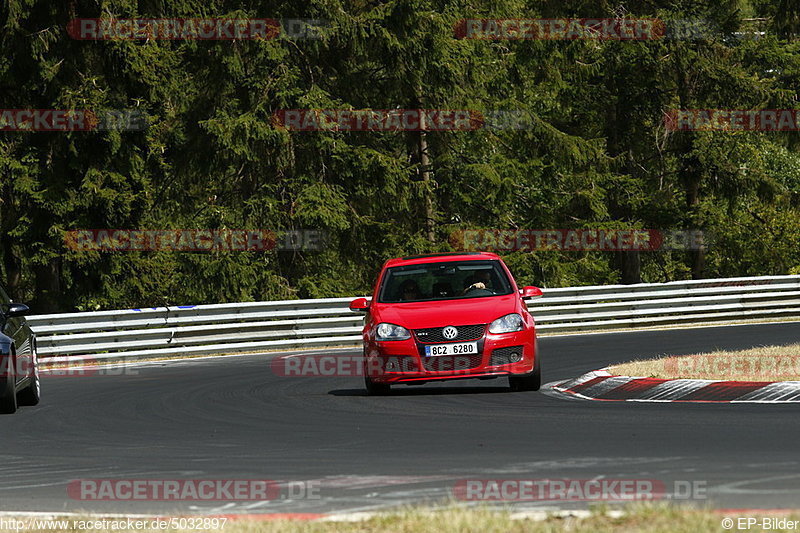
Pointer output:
x,y
31,394
8,396
376,389
529,382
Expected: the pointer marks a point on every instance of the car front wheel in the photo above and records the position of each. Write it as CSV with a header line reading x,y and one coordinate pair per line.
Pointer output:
x,y
376,389
31,394
532,381
8,394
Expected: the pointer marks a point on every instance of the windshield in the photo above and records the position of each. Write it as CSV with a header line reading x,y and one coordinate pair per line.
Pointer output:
x,y
444,281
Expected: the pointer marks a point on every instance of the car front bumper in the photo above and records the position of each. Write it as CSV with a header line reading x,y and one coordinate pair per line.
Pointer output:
x,y
405,362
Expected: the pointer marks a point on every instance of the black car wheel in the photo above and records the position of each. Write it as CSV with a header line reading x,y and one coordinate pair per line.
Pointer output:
x,y
376,389
31,394
8,396
532,381
373,388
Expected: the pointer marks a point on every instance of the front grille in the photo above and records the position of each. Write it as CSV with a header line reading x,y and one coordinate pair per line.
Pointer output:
x,y
465,333
502,356
449,363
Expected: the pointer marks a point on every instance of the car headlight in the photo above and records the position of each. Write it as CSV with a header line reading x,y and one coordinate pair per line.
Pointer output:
x,y
507,324
391,332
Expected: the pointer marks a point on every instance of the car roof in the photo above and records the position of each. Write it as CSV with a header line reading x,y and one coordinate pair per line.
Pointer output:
x,y
440,258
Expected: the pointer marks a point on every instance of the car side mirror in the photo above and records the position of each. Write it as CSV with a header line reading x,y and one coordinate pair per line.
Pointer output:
x,y
16,310
530,292
359,305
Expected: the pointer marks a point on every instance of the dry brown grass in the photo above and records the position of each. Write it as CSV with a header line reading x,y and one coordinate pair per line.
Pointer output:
x,y
767,363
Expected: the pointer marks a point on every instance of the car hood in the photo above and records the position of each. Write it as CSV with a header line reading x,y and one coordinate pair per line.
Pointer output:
x,y
448,312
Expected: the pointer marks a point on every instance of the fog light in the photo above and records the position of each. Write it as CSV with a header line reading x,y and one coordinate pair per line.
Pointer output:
x,y
515,357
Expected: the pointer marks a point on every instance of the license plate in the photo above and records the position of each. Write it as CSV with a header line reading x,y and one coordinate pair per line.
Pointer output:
x,y
461,348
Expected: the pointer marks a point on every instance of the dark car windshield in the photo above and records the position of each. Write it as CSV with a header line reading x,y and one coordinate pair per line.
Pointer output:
x,y
444,281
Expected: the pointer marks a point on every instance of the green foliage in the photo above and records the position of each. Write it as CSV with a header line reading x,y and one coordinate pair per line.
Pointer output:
x,y
596,153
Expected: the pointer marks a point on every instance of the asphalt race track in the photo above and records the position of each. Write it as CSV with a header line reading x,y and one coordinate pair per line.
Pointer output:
x,y
234,418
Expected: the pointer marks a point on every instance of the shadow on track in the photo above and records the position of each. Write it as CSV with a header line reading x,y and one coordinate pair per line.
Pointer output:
x,y
419,391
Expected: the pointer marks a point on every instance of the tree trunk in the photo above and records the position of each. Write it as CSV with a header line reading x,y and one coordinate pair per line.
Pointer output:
x,y
425,166
692,185
48,287
690,166
627,262
12,264
630,266
425,171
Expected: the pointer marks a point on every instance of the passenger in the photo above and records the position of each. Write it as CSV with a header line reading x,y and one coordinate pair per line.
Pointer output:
x,y
409,290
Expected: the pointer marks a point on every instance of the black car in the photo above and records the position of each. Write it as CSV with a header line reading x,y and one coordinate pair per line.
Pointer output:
x,y
19,371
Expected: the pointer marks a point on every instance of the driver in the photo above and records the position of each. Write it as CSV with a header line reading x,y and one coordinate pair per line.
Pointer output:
x,y
482,279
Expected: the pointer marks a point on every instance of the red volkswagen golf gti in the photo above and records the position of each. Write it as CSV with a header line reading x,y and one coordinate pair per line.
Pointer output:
x,y
448,316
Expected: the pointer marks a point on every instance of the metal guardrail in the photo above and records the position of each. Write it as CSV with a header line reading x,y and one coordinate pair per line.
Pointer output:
x,y
261,326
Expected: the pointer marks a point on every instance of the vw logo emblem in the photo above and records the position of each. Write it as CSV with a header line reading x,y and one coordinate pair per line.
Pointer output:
x,y
450,332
